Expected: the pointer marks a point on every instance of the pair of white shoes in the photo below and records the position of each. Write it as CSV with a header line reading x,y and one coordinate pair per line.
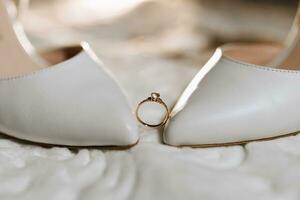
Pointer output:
x,y
75,102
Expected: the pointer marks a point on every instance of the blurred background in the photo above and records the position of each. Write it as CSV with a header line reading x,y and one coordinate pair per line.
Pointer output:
x,y
156,45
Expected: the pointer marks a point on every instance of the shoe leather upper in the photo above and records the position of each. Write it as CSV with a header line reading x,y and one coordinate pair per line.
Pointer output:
x,y
231,101
72,103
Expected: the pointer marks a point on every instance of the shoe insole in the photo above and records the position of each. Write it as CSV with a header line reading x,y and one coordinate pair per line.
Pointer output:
x,y
258,54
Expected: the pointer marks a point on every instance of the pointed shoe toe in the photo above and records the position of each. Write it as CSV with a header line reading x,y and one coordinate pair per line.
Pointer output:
x,y
73,103
231,102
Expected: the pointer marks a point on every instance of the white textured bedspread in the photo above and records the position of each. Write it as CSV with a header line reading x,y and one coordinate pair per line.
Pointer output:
x,y
157,53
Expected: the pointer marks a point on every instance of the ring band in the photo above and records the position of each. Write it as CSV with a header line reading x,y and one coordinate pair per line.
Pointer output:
x,y
155,98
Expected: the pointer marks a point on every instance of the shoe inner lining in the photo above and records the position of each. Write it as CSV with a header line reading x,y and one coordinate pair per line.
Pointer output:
x,y
264,54
16,51
13,56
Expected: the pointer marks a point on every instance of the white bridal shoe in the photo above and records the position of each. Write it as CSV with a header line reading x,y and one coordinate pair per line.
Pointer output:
x,y
236,99
72,103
